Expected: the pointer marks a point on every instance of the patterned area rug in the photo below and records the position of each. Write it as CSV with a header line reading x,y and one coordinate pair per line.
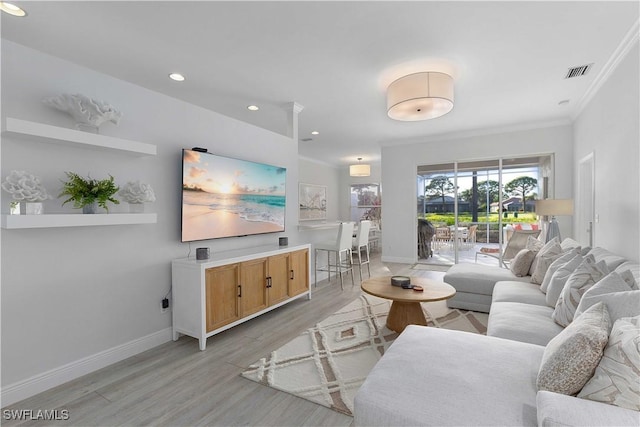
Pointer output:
x,y
328,363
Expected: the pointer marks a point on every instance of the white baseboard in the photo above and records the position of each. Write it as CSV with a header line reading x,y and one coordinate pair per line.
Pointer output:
x,y
398,260
38,383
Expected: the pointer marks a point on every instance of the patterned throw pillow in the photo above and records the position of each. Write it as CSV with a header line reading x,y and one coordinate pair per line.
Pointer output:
x,y
555,265
585,276
616,291
616,378
571,357
522,262
559,278
544,258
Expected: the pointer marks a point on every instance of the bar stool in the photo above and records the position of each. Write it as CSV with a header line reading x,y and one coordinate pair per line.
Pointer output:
x,y
360,243
340,246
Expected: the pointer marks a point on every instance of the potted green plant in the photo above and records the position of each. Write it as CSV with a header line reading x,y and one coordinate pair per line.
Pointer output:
x,y
86,193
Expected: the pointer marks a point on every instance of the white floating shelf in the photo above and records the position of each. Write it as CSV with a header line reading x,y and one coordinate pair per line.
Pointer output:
x,y
48,133
76,220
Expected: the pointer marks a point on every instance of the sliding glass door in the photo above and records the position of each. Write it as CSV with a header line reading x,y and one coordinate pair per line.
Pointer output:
x,y
466,210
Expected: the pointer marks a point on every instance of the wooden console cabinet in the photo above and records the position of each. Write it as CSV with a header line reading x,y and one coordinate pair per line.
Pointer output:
x,y
214,295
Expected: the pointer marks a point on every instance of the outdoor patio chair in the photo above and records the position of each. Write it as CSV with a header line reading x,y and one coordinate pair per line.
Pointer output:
x,y
442,237
470,241
516,243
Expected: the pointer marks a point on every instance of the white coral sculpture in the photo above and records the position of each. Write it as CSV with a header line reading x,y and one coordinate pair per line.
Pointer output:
x,y
137,192
84,110
25,187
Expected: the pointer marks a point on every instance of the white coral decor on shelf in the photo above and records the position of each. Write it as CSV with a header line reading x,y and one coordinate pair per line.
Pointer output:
x,y
25,187
137,192
84,110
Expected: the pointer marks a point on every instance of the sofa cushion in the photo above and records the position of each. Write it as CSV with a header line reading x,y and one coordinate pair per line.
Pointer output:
x,y
559,278
583,278
477,278
616,378
544,258
510,291
571,357
555,265
520,265
556,410
522,322
432,376
612,260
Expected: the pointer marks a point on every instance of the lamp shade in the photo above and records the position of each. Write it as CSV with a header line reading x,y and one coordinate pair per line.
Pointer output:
x,y
360,170
554,207
420,96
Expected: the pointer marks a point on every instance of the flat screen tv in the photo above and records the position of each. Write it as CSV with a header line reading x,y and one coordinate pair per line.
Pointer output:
x,y
226,197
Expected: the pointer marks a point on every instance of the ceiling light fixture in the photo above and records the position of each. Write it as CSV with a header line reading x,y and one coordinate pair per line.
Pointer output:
x,y
420,96
177,77
360,169
315,132
253,108
12,9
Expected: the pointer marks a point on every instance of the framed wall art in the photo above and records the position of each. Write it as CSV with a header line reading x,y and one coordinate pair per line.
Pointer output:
x,y
313,202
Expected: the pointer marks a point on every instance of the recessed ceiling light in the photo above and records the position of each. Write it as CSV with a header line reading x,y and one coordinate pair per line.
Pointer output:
x,y
253,108
315,132
12,9
177,77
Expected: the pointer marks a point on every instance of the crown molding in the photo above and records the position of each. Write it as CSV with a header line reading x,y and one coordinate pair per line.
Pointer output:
x,y
318,162
481,132
609,67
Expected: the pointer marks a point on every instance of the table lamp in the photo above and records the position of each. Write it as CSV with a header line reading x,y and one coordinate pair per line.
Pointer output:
x,y
553,208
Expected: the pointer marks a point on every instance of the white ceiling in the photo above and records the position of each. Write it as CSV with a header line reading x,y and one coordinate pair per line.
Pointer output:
x,y
508,59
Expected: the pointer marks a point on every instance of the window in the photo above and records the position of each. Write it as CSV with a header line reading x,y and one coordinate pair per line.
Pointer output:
x,y
366,202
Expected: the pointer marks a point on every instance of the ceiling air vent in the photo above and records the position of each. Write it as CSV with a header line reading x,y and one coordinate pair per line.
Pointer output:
x,y
306,139
578,71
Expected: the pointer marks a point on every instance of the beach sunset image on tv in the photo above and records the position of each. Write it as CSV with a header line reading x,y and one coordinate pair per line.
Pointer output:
x,y
226,197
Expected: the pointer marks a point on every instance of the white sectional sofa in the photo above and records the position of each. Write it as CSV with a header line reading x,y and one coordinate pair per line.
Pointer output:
x,y
437,377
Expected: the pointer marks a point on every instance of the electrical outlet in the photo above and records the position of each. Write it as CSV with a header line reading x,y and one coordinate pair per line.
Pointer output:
x,y
164,305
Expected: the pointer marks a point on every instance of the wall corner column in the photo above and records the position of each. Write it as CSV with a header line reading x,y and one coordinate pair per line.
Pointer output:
x,y
293,109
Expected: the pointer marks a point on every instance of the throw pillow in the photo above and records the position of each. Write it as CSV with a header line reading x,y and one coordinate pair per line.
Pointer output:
x,y
585,276
568,243
555,265
612,283
522,262
559,278
571,357
534,245
616,378
544,258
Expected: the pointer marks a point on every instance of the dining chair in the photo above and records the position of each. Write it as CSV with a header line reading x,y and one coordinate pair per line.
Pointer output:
x,y
361,244
342,245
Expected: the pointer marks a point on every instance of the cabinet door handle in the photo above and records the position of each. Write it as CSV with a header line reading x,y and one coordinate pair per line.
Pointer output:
x,y
291,275
239,291
268,284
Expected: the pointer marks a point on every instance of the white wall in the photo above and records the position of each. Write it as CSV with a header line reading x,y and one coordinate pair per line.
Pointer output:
x,y
399,165
71,293
608,127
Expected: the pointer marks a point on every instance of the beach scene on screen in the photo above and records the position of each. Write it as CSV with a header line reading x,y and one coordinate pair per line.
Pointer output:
x,y
225,197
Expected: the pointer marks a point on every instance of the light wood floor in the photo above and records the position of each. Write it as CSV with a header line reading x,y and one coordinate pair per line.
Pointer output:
x,y
175,384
